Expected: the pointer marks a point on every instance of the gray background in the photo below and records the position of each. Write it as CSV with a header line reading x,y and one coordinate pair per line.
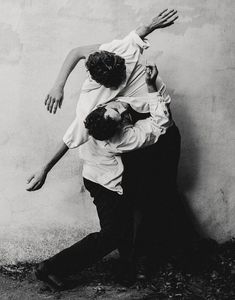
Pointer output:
x,y
195,58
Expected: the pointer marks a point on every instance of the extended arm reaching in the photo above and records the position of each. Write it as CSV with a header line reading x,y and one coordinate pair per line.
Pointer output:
x,y
37,179
54,98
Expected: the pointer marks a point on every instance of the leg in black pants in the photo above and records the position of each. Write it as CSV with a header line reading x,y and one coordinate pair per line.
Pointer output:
x,y
149,181
113,213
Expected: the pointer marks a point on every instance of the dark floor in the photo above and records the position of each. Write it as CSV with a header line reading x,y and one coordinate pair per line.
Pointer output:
x,y
213,279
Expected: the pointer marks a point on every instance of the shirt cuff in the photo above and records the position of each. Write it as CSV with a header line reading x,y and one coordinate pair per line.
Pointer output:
x,y
142,43
153,96
158,96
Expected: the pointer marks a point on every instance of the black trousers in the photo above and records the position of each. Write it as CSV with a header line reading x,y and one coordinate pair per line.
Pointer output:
x,y
114,214
150,184
149,215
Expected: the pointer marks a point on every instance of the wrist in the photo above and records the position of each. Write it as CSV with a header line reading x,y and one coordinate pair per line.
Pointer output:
x,y
46,169
147,29
151,27
143,31
59,86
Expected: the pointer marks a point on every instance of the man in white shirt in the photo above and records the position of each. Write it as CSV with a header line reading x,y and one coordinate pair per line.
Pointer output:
x,y
112,208
99,88
102,152
114,69
122,57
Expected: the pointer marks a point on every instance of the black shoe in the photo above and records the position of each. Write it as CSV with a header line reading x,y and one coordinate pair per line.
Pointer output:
x,y
53,282
127,273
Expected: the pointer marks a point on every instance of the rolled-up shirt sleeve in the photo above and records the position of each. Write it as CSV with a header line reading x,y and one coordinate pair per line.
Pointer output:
x,y
132,42
142,43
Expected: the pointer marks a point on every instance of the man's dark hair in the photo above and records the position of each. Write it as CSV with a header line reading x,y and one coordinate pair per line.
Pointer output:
x,y
101,127
106,68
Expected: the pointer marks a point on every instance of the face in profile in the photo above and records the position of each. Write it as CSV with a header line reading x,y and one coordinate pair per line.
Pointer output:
x,y
115,110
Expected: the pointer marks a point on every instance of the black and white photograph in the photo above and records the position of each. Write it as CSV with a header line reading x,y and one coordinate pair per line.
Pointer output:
x,y
117,147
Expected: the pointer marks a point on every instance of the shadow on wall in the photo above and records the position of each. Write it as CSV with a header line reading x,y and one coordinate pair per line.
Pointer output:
x,y
189,158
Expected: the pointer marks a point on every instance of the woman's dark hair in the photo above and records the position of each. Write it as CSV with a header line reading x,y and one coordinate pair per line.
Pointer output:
x,y
100,127
106,68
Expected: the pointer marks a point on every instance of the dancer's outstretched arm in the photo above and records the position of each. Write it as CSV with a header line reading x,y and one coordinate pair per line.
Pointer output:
x,y
54,98
36,180
165,19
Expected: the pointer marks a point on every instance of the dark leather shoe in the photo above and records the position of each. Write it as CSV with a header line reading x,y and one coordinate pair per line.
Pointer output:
x,y
42,273
126,274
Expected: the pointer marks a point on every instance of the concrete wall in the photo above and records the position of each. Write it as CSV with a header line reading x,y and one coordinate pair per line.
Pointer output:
x,y
195,58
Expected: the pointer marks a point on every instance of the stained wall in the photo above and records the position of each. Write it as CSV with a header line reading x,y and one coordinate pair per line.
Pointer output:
x,y
195,58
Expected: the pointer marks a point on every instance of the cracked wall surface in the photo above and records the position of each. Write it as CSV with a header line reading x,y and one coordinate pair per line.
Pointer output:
x,y
197,61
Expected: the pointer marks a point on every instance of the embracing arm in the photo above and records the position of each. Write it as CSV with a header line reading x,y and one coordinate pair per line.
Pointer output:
x,y
54,98
146,132
164,19
37,179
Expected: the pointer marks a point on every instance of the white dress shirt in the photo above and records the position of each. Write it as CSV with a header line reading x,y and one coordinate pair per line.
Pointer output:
x,y
102,161
101,164
93,93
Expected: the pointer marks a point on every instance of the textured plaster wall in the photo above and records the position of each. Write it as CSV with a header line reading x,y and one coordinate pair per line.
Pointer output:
x,y
195,57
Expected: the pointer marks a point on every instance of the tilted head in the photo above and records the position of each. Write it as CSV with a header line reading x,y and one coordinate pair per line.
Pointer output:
x,y
104,122
107,68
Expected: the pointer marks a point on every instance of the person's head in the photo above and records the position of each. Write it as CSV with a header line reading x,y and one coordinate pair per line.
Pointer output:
x,y
104,122
107,68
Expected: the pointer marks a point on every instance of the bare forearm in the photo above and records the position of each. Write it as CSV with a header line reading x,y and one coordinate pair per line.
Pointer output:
x,y
71,60
36,180
69,64
60,152
55,96
143,31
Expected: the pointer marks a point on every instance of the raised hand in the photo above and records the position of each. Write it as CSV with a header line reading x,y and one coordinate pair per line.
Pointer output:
x,y
151,74
164,19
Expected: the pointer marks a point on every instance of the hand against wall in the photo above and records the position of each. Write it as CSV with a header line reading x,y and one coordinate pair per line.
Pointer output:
x,y
164,19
